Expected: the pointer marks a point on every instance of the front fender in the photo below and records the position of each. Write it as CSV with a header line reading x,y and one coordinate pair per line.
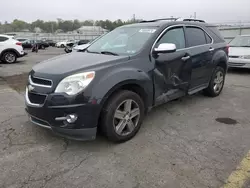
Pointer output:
x,y
114,79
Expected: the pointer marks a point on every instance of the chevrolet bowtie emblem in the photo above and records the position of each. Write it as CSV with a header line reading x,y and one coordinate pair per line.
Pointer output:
x,y
30,88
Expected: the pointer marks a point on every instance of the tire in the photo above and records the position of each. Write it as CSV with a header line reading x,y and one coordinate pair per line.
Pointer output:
x,y
42,47
62,46
110,124
9,57
212,90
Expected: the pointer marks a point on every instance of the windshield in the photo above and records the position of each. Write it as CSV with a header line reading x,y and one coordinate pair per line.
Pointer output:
x,y
123,41
240,41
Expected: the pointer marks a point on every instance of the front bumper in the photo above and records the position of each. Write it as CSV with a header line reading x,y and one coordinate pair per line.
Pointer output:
x,y
47,115
238,63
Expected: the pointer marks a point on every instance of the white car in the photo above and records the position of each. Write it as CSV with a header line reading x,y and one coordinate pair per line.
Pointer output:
x,y
80,48
10,49
63,44
239,52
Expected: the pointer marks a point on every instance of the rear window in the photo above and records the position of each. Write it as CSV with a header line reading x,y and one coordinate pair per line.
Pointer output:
x,y
2,39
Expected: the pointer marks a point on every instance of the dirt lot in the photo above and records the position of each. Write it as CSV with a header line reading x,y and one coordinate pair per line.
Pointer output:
x,y
185,143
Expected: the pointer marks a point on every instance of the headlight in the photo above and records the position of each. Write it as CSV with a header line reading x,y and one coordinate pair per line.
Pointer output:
x,y
245,57
75,83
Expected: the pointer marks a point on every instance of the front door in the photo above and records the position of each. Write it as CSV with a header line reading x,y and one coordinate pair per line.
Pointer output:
x,y
172,71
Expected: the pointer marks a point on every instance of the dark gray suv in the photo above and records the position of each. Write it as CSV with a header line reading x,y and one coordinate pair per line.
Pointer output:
x,y
122,75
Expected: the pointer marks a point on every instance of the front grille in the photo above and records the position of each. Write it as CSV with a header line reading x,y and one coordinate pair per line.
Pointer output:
x,y
233,56
236,64
40,81
36,98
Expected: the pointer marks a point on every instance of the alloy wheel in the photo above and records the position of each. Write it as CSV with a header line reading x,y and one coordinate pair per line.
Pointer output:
x,y
218,82
126,117
10,58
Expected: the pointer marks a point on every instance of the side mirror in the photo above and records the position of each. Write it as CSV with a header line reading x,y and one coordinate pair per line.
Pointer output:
x,y
165,48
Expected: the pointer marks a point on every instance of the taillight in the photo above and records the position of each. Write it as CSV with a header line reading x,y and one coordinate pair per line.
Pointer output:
x,y
19,43
227,49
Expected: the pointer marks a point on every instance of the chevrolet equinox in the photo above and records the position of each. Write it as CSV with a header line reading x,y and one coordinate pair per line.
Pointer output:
x,y
122,75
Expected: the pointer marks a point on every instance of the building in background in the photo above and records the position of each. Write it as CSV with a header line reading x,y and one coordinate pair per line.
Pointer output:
x,y
89,30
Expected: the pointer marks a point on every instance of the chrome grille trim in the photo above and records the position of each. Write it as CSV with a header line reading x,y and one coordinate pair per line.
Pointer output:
x,y
40,85
33,120
30,103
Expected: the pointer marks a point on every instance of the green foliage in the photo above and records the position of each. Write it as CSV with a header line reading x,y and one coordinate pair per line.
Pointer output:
x,y
64,25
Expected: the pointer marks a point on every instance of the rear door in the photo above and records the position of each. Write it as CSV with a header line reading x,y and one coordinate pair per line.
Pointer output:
x,y
3,43
172,71
199,45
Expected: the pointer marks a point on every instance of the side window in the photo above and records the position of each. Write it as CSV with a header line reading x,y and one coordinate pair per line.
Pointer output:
x,y
208,38
195,36
2,39
175,36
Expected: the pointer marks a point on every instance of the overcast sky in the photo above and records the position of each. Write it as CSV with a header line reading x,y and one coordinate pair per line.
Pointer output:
x,y
210,10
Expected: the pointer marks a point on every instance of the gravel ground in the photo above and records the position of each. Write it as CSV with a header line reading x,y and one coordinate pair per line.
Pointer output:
x,y
180,144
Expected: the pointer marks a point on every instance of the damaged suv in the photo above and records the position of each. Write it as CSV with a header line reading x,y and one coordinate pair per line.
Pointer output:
x,y
122,75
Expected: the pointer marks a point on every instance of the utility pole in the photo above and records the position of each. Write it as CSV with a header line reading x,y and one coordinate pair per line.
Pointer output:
x,y
133,17
52,27
194,15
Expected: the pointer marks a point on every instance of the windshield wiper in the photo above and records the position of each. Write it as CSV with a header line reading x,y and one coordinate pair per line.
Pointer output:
x,y
92,52
109,53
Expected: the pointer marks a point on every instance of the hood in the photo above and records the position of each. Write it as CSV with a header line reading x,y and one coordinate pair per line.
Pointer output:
x,y
239,51
74,62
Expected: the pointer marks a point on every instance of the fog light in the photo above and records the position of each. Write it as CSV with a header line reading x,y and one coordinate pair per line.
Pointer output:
x,y
71,118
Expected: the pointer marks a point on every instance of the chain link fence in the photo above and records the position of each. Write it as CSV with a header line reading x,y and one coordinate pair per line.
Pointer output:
x,y
228,29
55,37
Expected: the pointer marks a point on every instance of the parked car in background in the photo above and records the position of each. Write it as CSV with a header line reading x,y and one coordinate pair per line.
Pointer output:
x,y
123,75
27,44
71,45
80,48
30,43
63,44
10,49
42,44
239,52
50,42
21,39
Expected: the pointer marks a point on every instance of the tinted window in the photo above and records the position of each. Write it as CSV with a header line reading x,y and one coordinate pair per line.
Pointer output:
x,y
195,36
2,39
175,36
208,38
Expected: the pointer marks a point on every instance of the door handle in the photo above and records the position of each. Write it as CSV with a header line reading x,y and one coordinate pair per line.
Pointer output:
x,y
211,49
185,58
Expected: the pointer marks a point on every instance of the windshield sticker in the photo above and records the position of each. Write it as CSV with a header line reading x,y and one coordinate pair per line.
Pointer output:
x,y
147,30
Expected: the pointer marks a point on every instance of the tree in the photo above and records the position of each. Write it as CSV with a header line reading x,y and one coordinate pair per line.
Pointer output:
x,y
88,23
19,25
37,23
65,25
76,24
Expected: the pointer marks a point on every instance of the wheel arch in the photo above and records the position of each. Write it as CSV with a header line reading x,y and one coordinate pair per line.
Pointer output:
x,y
9,50
130,85
220,59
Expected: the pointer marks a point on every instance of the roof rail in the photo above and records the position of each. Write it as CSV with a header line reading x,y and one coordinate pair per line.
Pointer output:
x,y
161,19
193,20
